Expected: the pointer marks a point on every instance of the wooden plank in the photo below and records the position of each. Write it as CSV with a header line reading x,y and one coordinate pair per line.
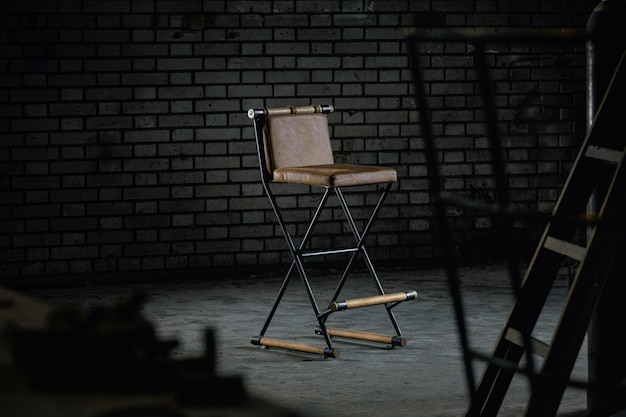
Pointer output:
x,y
537,346
604,154
565,248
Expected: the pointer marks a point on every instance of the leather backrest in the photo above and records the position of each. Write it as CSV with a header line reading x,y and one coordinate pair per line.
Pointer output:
x,y
297,140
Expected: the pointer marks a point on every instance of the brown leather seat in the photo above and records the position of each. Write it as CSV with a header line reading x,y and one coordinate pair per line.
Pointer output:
x,y
336,175
298,150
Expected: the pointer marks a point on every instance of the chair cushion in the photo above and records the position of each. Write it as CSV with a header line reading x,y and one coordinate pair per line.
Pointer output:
x,y
336,175
297,140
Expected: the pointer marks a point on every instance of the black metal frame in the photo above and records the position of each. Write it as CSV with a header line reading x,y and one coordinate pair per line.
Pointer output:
x,y
503,363
299,252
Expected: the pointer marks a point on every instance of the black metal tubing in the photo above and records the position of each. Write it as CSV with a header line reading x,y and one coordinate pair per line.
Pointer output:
x,y
259,123
504,224
297,259
360,245
435,177
503,215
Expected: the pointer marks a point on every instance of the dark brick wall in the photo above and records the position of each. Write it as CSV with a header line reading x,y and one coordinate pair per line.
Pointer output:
x,y
125,146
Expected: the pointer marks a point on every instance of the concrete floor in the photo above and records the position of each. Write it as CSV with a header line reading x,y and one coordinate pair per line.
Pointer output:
x,y
423,378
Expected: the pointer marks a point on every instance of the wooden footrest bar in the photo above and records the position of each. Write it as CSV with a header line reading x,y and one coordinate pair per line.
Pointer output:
x,y
300,347
366,336
374,300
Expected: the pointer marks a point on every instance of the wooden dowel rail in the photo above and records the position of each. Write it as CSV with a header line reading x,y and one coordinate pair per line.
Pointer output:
x,y
281,111
366,336
300,347
373,300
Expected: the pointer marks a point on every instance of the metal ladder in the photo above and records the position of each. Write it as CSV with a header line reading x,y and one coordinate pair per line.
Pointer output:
x,y
599,167
599,171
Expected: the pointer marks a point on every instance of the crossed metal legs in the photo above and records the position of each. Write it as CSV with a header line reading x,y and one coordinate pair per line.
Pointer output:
x,y
299,253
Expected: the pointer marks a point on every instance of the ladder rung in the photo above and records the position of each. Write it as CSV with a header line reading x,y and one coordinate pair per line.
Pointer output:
x,y
374,300
300,347
367,336
604,154
537,346
565,248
